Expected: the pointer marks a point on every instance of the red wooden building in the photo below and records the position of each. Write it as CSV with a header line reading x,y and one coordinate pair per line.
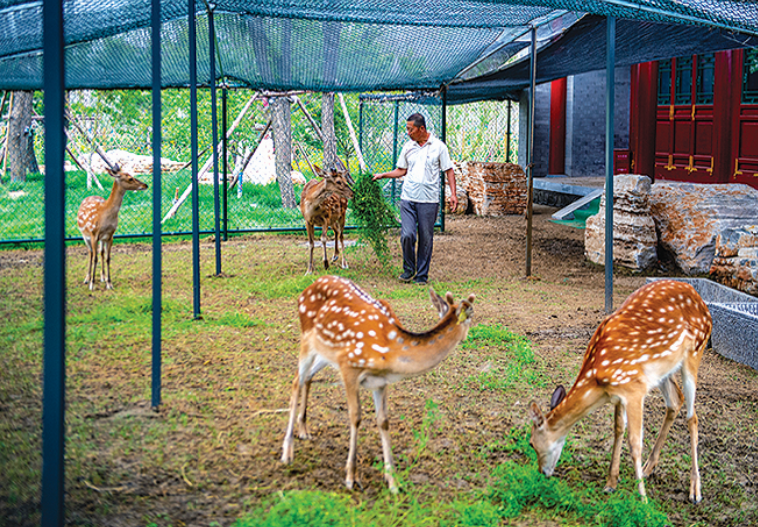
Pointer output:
x,y
691,119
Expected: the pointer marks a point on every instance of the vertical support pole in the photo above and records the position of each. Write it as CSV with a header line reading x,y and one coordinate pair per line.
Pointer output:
x,y
610,82
360,126
443,136
530,154
54,367
214,138
224,160
157,192
394,149
508,134
192,28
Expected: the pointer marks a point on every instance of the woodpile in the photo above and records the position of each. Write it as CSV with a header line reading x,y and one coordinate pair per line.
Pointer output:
x,y
493,189
736,261
134,164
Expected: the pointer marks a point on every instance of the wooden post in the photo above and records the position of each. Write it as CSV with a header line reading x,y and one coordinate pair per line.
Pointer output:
x,y
361,162
206,166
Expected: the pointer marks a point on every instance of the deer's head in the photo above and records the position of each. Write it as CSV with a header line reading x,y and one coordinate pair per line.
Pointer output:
x,y
336,181
125,180
463,311
544,440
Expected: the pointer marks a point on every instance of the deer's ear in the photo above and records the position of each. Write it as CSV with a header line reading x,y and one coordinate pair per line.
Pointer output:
x,y
439,303
317,171
113,172
536,414
558,395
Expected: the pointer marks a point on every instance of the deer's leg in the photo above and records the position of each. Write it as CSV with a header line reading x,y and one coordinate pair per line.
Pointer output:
x,y
107,262
634,412
288,448
689,383
342,242
103,246
354,409
324,230
311,236
619,425
382,421
318,365
95,250
88,242
673,397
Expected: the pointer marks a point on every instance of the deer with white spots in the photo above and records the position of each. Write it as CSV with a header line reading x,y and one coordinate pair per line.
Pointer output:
x,y
97,220
662,327
324,204
342,326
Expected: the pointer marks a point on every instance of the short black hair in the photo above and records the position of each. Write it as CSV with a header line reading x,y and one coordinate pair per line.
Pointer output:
x,y
417,119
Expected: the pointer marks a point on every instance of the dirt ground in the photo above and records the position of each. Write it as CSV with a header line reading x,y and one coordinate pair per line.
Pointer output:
x,y
223,457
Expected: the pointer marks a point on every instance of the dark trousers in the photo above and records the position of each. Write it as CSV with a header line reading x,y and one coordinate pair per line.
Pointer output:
x,y
417,218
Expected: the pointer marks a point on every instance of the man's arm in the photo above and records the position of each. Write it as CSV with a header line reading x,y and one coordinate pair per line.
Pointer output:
x,y
398,172
453,194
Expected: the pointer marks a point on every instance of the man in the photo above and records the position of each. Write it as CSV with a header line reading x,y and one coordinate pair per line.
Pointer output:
x,y
421,160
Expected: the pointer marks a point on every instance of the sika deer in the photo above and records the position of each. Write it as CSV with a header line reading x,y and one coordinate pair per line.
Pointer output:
x,y
324,203
97,220
662,327
342,326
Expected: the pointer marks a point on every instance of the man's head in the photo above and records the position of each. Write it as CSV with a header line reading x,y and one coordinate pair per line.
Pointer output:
x,y
415,126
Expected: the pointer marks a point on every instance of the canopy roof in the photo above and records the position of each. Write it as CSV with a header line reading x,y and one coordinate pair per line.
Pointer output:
x,y
362,45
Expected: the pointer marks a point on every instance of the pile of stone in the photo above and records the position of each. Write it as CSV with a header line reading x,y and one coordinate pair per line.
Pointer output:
x,y
493,189
134,164
634,236
690,216
736,261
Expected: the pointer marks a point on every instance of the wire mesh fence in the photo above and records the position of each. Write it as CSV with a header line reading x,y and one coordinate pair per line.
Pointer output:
x,y
119,123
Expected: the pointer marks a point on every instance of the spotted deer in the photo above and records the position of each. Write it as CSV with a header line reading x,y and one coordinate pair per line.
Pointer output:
x,y
97,220
662,327
342,326
324,204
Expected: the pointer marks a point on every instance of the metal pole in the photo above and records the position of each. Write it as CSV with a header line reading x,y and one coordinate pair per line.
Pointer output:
x,y
443,136
157,192
610,81
214,139
394,148
530,155
54,364
192,27
360,125
224,154
508,135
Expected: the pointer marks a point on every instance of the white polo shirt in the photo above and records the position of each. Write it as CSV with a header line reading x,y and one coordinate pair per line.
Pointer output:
x,y
424,163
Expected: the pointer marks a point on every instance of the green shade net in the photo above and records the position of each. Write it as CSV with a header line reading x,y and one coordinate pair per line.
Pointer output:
x,y
333,45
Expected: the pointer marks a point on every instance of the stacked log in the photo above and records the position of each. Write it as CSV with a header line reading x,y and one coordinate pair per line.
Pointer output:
x,y
634,236
736,261
134,164
493,189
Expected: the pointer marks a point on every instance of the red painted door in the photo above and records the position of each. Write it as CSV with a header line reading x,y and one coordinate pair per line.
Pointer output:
x,y
684,146
745,132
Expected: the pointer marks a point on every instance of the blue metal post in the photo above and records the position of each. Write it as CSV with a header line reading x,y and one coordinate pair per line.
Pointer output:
x,y
54,361
157,193
443,137
214,141
530,154
610,81
192,27
224,157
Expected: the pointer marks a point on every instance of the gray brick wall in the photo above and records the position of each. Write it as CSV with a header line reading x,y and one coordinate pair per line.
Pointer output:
x,y
585,123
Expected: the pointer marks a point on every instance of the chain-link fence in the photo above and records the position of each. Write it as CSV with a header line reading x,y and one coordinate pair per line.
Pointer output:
x,y
121,121
484,131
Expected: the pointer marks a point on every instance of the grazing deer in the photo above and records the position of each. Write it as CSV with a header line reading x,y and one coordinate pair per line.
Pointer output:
x,y
324,203
342,326
97,220
662,327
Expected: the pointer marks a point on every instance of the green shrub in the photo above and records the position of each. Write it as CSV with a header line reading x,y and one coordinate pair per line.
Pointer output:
x,y
304,509
373,216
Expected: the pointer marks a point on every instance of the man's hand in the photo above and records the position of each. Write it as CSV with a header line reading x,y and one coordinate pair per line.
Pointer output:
x,y
453,201
376,177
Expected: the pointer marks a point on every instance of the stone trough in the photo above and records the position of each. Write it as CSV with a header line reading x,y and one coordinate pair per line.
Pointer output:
x,y
735,319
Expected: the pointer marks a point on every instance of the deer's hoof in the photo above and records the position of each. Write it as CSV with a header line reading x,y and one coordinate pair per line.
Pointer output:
x,y
696,499
609,490
353,485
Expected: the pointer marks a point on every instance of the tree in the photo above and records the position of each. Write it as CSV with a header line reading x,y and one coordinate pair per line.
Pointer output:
x,y
327,128
282,124
20,144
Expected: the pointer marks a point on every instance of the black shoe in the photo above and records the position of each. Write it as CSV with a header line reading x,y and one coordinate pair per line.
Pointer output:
x,y
420,281
406,277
